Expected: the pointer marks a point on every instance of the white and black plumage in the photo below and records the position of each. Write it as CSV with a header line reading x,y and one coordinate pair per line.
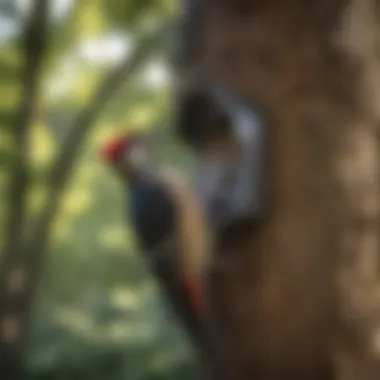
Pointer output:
x,y
167,228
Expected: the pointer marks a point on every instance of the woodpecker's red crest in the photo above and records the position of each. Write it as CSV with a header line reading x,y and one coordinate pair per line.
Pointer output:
x,y
116,148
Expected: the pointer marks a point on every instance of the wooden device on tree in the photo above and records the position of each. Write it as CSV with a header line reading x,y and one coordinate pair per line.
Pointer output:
x,y
228,138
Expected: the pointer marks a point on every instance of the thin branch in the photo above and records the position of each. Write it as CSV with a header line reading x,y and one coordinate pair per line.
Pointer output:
x,y
64,165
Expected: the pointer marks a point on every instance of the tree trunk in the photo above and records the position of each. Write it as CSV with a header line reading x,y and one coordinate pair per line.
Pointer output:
x,y
14,289
298,299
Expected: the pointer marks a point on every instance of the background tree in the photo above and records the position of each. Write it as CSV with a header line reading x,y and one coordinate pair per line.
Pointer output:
x,y
97,312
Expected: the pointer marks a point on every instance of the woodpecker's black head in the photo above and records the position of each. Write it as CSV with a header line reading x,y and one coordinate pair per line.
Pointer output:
x,y
129,155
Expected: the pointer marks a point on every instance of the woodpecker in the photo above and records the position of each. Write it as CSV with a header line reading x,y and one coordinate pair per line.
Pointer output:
x,y
168,224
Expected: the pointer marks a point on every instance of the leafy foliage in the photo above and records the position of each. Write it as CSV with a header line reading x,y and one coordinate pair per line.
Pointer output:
x,y
99,314
130,12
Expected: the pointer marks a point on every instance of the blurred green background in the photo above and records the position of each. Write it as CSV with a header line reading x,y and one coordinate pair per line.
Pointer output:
x,y
98,314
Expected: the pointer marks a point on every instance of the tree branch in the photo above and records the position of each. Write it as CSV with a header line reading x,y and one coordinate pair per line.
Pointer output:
x,y
64,165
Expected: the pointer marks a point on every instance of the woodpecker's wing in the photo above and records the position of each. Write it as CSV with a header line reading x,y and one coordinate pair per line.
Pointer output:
x,y
156,217
191,228
153,214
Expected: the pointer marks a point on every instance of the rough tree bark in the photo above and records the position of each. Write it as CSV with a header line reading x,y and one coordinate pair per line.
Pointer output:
x,y
299,298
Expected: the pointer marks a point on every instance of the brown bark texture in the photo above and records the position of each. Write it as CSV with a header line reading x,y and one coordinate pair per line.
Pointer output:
x,y
298,299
